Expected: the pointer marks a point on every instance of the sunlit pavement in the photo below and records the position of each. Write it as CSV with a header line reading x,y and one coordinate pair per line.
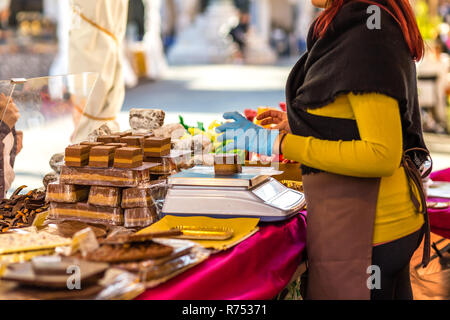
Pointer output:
x,y
198,93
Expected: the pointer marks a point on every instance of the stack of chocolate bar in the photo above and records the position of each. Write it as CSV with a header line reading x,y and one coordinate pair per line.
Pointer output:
x,y
140,204
96,177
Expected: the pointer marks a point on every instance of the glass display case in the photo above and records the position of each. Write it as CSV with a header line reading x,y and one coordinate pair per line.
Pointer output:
x,y
50,109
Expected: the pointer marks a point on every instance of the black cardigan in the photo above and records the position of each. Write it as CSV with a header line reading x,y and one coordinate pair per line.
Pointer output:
x,y
353,58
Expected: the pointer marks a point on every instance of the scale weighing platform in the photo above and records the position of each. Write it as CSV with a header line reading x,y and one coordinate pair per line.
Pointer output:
x,y
251,194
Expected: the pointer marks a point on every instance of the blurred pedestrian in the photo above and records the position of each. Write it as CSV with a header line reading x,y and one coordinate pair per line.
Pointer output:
x,y
239,33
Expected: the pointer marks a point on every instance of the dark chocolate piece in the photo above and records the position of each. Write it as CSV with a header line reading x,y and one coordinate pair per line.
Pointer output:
x,y
77,155
133,141
123,134
108,139
92,144
117,145
226,164
157,147
101,157
128,158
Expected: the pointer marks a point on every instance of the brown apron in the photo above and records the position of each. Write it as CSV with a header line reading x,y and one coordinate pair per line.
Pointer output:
x,y
341,217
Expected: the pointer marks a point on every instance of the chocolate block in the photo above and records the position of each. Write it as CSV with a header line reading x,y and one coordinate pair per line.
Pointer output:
x,y
128,158
77,155
117,145
104,196
86,213
226,164
157,147
108,177
102,156
143,196
140,217
57,192
108,139
133,141
92,144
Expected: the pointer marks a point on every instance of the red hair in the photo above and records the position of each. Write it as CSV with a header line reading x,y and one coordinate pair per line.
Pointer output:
x,y
400,10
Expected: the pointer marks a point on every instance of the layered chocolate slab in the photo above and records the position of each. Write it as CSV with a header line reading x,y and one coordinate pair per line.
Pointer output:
x,y
104,196
128,158
140,217
108,177
77,155
227,164
156,147
85,212
133,141
123,134
58,192
176,160
108,139
117,145
92,144
144,135
102,156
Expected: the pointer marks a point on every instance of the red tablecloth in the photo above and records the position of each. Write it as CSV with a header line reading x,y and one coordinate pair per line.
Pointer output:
x,y
440,219
258,268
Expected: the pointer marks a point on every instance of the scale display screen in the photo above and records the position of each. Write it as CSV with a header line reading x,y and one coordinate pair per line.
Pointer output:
x,y
269,190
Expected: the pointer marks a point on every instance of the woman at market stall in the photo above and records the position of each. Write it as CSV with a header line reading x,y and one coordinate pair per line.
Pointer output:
x,y
353,122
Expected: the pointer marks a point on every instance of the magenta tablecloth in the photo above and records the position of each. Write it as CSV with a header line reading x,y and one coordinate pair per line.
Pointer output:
x,y
440,219
258,268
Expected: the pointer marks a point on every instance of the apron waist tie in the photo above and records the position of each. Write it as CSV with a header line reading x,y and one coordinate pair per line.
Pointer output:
x,y
419,200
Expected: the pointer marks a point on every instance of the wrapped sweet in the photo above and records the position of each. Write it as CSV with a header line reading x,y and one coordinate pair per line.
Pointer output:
x,y
143,196
85,212
140,217
108,177
104,196
58,192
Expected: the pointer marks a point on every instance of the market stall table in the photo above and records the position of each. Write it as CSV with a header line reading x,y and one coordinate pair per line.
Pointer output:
x,y
440,218
257,268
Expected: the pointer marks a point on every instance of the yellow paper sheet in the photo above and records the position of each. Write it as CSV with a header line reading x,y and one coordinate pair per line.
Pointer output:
x,y
242,228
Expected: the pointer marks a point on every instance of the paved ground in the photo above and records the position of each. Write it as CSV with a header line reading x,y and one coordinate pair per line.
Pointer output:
x,y
199,93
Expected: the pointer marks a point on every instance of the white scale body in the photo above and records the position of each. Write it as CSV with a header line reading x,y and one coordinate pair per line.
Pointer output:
x,y
199,192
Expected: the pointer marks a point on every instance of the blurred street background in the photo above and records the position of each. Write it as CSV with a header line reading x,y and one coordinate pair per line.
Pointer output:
x,y
195,58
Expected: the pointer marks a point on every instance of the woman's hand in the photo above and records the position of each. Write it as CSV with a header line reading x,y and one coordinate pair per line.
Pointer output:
x,y
278,118
19,141
11,114
246,135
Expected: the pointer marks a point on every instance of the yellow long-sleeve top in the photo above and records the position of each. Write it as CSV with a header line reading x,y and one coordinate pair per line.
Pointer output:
x,y
377,154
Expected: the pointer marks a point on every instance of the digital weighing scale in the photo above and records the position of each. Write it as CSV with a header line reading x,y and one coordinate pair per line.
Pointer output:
x,y
198,191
